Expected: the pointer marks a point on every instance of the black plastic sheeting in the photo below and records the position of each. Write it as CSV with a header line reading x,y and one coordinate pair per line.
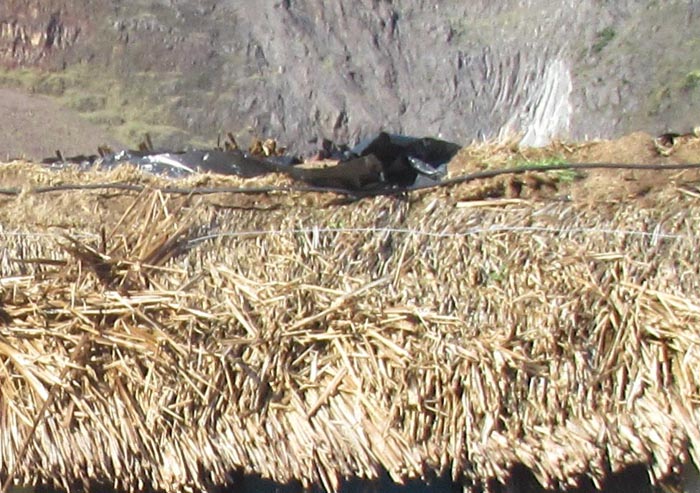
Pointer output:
x,y
385,161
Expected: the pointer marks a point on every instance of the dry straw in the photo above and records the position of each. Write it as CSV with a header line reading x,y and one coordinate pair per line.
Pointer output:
x,y
309,341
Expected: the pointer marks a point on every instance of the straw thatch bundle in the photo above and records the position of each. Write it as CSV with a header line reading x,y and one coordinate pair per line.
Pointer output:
x,y
302,340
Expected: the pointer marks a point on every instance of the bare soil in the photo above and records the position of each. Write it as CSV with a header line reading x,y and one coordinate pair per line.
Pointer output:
x,y
594,186
34,127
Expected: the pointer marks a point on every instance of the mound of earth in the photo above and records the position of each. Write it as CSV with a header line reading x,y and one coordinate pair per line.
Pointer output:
x,y
595,185
88,209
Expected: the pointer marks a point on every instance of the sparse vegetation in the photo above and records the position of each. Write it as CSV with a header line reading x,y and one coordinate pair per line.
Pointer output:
x,y
498,275
692,80
676,85
565,175
603,38
126,108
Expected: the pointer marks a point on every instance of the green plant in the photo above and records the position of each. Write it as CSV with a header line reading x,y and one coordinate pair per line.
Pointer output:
x,y
603,38
498,275
563,175
337,224
692,80
568,175
542,162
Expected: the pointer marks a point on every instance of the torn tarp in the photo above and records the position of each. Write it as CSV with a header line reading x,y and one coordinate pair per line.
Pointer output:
x,y
409,160
405,161
176,164
384,162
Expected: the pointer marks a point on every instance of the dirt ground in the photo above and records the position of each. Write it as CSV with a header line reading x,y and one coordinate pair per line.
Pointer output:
x,y
595,185
91,209
34,127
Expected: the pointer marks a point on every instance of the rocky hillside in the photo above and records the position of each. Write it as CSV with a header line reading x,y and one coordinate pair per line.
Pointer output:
x,y
304,69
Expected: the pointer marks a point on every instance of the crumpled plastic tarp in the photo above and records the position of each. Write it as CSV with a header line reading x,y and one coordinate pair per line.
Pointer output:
x,y
384,161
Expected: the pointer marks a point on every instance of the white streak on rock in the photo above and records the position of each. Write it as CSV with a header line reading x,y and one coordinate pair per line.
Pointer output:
x,y
546,114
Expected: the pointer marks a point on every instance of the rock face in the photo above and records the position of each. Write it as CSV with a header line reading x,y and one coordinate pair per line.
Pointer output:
x,y
307,69
33,33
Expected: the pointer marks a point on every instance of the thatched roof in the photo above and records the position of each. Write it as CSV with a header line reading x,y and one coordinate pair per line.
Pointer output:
x,y
300,338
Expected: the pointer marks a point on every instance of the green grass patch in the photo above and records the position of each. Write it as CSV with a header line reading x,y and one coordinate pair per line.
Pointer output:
x,y
498,276
691,80
564,175
104,118
126,107
603,39
676,85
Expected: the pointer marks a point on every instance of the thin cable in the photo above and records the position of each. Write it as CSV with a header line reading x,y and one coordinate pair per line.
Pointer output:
x,y
404,231
29,234
433,234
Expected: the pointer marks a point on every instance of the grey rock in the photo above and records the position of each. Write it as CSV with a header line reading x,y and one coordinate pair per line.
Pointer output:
x,y
305,70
